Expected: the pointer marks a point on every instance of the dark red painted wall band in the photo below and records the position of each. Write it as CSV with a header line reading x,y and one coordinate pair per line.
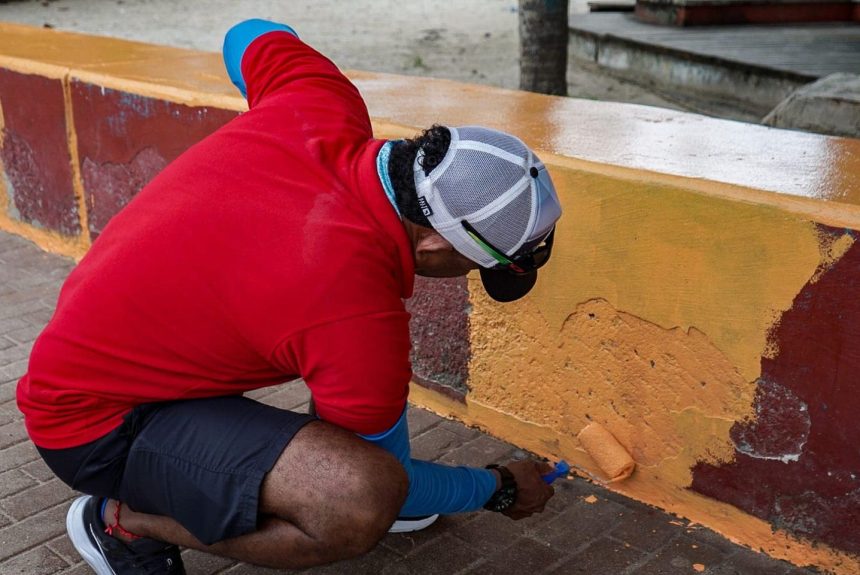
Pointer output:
x,y
35,153
752,13
125,139
798,463
440,334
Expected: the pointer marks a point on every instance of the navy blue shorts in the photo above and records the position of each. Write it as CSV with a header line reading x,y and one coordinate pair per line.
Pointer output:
x,y
199,461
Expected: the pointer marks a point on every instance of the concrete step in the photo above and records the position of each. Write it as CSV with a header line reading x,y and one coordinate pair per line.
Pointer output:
x,y
744,67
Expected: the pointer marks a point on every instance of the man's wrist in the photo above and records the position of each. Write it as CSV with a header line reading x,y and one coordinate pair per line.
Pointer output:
x,y
498,477
505,495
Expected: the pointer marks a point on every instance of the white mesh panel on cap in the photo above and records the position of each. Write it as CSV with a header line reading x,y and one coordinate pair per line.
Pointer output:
x,y
506,228
474,179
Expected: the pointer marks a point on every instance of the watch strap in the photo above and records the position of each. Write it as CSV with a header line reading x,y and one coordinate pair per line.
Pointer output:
x,y
506,495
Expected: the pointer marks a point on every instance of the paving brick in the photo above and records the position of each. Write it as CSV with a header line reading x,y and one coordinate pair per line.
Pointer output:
x,y
20,309
434,443
443,556
580,522
420,420
9,413
371,564
602,556
11,324
13,481
38,470
405,544
12,433
14,353
524,556
31,501
710,537
288,396
39,316
478,452
28,533
25,334
461,430
259,394
9,376
681,555
747,561
38,561
6,343
199,563
647,530
567,491
17,295
489,532
245,569
18,455
63,547
79,569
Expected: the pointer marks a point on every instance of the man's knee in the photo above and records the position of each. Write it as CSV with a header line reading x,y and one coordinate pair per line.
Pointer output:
x,y
341,491
377,487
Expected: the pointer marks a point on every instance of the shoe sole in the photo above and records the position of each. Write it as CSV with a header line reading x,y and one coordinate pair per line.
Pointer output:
x,y
401,526
76,528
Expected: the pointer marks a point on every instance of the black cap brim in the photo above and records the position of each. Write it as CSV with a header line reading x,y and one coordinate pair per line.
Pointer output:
x,y
504,286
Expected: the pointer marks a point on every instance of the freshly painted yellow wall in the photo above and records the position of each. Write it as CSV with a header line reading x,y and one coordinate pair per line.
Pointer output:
x,y
651,320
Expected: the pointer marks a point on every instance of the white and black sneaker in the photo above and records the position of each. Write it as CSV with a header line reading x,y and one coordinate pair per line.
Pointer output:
x,y
110,556
408,524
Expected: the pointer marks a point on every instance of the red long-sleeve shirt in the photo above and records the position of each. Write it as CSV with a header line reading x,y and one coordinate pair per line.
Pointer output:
x,y
267,251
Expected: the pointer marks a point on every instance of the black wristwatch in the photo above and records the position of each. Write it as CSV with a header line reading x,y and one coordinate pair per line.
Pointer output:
x,y
506,495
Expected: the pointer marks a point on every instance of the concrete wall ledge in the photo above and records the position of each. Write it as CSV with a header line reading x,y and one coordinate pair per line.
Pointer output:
x,y
701,303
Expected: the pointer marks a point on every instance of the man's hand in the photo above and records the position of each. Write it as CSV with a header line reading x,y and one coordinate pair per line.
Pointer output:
x,y
532,491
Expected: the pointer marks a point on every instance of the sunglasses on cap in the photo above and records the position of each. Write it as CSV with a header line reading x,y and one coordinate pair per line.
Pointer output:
x,y
517,264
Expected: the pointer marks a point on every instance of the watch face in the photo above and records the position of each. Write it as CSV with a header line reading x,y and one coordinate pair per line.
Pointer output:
x,y
506,498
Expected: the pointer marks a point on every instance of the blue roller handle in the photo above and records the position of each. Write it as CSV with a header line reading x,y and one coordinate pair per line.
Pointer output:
x,y
561,470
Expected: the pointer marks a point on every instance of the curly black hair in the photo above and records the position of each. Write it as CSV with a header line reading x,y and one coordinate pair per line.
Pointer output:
x,y
434,141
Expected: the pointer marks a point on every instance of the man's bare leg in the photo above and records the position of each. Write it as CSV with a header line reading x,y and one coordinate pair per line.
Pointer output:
x,y
330,496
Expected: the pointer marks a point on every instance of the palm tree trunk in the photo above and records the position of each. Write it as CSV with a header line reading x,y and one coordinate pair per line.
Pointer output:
x,y
543,46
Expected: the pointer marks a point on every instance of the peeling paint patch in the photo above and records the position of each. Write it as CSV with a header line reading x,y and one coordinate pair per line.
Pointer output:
x,y
35,155
797,462
780,428
125,139
112,186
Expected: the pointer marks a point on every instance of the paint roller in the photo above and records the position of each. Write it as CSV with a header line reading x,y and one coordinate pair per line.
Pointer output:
x,y
609,455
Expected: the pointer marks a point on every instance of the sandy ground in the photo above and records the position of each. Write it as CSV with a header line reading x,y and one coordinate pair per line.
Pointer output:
x,y
468,40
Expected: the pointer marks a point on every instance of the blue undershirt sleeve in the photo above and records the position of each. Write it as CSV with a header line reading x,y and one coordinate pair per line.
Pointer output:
x,y
435,488
237,40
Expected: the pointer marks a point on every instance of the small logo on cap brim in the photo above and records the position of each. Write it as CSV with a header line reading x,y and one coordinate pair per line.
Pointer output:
x,y
425,207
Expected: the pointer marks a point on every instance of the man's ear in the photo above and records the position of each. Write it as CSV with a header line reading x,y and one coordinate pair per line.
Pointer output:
x,y
431,242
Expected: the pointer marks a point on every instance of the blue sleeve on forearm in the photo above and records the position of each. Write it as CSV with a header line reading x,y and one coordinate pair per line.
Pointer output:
x,y
435,488
238,38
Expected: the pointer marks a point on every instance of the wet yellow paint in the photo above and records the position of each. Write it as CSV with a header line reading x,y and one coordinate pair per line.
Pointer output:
x,y
651,320
175,74
631,136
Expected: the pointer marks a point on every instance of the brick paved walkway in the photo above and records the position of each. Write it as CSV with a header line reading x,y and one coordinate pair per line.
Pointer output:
x,y
586,529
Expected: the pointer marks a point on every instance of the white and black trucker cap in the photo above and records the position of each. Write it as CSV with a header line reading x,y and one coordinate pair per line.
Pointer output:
x,y
492,198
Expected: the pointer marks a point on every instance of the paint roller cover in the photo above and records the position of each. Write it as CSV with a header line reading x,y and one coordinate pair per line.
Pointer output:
x,y
606,452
